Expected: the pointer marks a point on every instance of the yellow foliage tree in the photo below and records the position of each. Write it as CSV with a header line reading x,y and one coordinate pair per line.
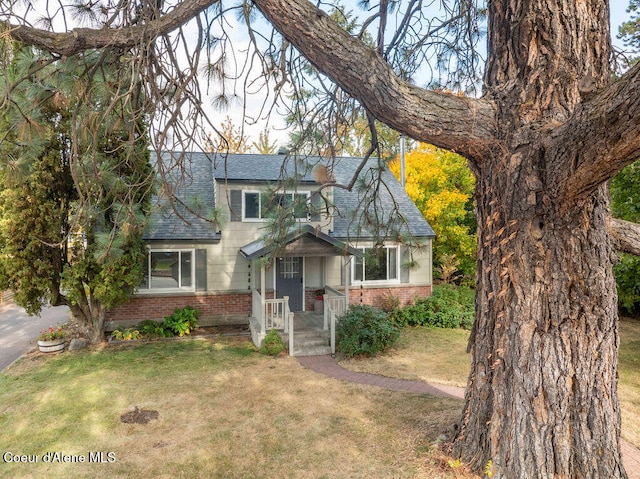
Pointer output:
x,y
228,139
441,185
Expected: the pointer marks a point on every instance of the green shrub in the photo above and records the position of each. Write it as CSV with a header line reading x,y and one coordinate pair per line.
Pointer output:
x,y
448,307
272,345
182,321
365,330
125,334
153,329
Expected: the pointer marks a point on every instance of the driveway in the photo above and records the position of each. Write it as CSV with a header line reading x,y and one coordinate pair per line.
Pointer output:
x,y
18,330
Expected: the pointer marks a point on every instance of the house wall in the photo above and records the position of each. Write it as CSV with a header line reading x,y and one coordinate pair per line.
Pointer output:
x,y
227,298
229,270
379,296
414,282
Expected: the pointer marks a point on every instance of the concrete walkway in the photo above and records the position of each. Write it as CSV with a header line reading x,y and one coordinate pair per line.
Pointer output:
x,y
329,367
18,330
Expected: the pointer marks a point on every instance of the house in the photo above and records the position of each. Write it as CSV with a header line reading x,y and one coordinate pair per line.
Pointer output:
x,y
257,265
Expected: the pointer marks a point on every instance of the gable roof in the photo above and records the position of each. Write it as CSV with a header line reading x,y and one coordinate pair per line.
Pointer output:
x,y
196,188
393,206
256,168
260,247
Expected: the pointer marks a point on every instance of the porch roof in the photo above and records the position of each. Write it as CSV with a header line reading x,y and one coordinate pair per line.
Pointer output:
x,y
303,241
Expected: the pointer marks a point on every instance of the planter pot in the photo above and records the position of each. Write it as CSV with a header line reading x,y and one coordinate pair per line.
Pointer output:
x,y
318,306
51,346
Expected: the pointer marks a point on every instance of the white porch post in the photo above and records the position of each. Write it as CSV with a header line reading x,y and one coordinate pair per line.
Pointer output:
x,y
252,273
263,277
347,279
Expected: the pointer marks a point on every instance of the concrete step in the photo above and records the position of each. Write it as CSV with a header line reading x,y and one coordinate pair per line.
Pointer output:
x,y
307,336
312,351
310,343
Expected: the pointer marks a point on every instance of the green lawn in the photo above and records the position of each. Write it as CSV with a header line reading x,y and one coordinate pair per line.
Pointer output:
x,y
224,411
429,354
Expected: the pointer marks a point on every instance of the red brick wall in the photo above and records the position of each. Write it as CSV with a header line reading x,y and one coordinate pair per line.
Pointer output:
x,y
223,308
376,296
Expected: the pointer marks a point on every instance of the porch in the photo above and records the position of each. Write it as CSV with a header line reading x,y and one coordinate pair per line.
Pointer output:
x,y
304,261
304,333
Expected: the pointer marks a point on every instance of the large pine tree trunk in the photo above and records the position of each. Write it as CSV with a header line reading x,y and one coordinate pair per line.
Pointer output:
x,y
542,397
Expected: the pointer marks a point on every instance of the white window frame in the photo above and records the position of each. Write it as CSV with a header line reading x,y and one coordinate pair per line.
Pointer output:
x,y
364,281
261,194
180,288
244,206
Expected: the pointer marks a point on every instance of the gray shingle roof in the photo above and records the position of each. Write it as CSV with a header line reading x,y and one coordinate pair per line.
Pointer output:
x,y
193,190
395,210
263,168
259,247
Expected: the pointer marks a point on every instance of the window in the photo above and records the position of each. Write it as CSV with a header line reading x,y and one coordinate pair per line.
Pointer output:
x,y
378,264
169,270
252,205
258,206
289,268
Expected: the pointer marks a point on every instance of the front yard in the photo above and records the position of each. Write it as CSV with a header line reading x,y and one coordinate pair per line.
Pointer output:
x,y
218,409
223,411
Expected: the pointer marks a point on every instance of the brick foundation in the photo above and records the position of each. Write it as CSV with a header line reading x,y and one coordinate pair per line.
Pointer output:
x,y
235,308
229,308
375,296
378,296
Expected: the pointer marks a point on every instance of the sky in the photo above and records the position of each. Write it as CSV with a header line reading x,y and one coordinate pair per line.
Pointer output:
x,y
618,9
618,15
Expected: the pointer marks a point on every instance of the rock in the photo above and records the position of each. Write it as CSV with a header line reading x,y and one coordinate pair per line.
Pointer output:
x,y
78,343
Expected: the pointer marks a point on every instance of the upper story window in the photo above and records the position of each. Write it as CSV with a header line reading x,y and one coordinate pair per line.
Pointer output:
x,y
169,270
258,206
377,265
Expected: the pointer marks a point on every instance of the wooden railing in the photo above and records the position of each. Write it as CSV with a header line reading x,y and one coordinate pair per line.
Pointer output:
x,y
276,314
270,313
335,305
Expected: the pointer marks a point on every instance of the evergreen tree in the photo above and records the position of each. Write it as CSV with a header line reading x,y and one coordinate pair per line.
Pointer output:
x,y
75,185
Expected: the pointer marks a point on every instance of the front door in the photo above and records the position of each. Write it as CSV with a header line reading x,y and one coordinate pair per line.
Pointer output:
x,y
289,281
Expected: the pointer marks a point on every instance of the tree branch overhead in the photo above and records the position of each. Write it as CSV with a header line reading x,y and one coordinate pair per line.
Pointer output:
x,y
605,133
81,39
464,125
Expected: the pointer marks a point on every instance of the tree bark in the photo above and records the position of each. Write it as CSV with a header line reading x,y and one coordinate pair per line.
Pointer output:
x,y
541,400
601,137
625,235
90,315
